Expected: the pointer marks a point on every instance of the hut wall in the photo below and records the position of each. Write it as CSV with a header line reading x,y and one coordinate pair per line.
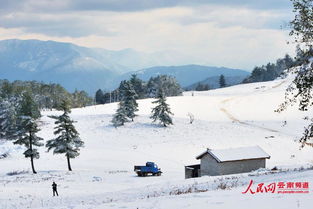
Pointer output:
x,y
241,166
210,167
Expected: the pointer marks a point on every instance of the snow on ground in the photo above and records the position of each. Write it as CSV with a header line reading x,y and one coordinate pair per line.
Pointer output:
x,y
103,174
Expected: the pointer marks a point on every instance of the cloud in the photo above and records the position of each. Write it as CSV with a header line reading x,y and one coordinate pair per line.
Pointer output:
x,y
229,17
130,5
83,23
73,25
224,33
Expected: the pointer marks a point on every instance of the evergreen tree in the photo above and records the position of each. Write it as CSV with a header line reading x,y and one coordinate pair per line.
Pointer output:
x,y
68,141
162,111
99,98
168,84
301,89
222,81
270,71
302,24
129,98
6,89
138,85
120,117
27,128
8,117
122,89
107,97
80,99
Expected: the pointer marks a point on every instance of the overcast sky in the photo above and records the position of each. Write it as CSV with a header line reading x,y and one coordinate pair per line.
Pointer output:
x,y
231,33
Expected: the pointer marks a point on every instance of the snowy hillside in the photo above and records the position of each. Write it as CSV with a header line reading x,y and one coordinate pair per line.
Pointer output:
x,y
103,176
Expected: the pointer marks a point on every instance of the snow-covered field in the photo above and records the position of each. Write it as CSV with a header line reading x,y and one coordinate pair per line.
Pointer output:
x,y
103,174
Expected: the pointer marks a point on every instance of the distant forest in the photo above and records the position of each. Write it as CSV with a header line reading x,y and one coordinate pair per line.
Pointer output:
x,y
150,89
47,96
270,71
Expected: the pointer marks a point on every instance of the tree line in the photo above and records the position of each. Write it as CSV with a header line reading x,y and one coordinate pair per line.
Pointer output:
x,y
168,84
270,71
47,96
205,87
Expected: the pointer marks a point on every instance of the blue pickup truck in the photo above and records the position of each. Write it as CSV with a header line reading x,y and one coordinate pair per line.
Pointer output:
x,y
149,168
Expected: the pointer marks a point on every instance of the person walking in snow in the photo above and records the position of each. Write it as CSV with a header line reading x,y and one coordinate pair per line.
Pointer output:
x,y
54,188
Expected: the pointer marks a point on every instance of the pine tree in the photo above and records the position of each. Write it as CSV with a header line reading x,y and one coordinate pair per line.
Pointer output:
x,y
27,128
301,89
222,81
80,99
168,84
67,141
162,111
138,85
130,103
120,117
302,24
99,97
8,117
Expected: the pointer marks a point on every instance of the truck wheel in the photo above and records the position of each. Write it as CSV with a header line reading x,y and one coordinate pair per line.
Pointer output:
x,y
158,174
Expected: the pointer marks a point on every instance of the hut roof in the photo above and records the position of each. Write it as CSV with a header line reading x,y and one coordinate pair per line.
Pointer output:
x,y
234,154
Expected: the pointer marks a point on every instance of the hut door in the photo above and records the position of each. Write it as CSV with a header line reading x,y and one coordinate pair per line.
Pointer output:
x,y
195,173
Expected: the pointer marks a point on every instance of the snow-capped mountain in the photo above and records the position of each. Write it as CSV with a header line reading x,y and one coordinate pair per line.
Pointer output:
x,y
89,69
39,56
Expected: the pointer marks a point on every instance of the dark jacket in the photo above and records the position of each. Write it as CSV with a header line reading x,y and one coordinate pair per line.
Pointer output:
x,y
54,186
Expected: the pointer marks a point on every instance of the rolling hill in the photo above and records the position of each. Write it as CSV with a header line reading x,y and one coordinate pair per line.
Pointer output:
x,y
103,175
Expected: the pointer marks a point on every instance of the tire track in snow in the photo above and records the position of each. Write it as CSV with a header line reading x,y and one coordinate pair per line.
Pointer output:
x,y
234,119
231,117
278,85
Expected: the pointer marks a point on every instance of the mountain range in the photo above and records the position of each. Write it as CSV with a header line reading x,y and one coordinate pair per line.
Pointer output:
x,y
89,69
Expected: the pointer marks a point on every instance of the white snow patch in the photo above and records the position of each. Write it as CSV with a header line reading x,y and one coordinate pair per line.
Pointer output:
x,y
239,153
103,175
